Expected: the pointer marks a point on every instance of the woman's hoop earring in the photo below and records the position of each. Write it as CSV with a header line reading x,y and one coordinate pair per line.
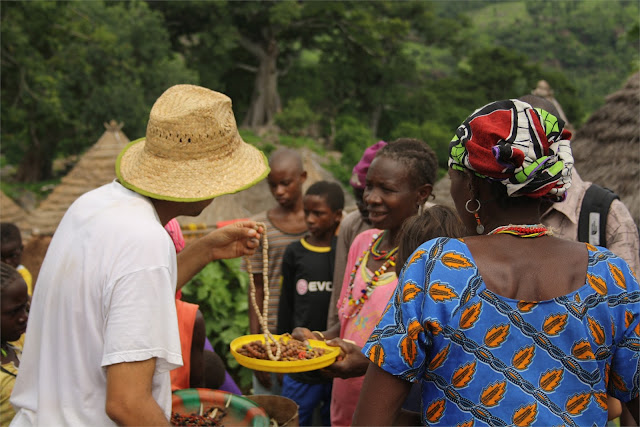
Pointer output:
x,y
479,226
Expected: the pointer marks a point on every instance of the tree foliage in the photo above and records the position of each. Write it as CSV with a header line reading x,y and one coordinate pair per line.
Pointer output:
x,y
98,61
389,67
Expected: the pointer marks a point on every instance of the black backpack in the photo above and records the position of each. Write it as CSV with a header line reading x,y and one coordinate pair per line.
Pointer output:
x,y
592,224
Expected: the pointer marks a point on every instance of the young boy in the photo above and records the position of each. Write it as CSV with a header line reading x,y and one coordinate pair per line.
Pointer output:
x,y
307,278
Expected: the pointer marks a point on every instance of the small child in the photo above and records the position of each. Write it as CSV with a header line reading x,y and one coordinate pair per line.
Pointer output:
x,y
436,221
14,306
307,270
11,251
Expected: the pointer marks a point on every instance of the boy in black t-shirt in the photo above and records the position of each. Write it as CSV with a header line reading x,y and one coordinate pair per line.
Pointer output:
x,y
307,275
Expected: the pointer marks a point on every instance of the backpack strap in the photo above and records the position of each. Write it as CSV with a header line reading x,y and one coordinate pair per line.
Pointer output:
x,y
592,223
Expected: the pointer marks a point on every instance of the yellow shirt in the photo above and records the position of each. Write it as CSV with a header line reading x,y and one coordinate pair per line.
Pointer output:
x,y
7,380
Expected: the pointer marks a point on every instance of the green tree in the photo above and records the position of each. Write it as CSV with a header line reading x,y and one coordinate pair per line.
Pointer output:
x,y
98,61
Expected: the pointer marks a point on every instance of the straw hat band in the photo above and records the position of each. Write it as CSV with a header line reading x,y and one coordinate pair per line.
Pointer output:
x,y
192,149
232,174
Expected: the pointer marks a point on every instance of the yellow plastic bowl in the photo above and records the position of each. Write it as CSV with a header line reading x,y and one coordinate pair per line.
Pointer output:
x,y
284,366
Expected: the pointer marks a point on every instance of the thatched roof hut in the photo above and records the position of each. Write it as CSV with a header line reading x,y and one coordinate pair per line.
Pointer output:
x,y
606,149
10,211
95,168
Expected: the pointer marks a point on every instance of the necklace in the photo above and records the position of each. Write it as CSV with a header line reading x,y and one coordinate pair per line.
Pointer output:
x,y
523,230
376,253
263,318
350,300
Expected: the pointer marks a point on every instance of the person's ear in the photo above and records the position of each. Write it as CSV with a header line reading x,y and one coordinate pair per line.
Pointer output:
x,y
337,216
424,191
474,185
303,177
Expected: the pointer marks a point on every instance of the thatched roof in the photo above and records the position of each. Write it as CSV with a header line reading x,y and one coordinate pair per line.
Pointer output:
x,y
10,211
258,198
606,149
95,168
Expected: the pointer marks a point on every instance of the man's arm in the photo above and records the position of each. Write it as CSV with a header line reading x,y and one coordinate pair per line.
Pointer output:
x,y
129,399
233,241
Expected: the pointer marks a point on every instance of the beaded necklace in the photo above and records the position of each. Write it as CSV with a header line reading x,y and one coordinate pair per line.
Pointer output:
x,y
390,261
523,230
263,318
376,253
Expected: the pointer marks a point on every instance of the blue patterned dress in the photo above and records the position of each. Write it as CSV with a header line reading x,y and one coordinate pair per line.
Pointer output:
x,y
497,361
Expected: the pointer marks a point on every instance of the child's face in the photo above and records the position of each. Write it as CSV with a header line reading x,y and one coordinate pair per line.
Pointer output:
x,y
14,306
318,215
285,184
11,253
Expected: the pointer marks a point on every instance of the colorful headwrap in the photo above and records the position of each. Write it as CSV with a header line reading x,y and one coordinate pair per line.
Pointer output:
x,y
359,173
526,149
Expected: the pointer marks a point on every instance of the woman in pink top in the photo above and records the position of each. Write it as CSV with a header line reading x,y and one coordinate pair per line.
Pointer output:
x,y
399,181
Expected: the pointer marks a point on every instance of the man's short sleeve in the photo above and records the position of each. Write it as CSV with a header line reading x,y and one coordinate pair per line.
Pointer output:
x,y
141,320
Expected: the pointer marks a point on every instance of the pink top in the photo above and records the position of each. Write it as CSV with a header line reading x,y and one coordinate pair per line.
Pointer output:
x,y
174,230
345,393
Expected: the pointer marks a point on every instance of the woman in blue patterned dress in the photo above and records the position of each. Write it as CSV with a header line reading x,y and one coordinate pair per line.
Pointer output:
x,y
511,325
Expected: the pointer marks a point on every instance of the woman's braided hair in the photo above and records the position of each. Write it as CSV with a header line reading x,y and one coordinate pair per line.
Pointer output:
x,y
8,275
420,159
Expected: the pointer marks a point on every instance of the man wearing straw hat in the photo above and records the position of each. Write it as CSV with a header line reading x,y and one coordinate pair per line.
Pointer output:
x,y
103,334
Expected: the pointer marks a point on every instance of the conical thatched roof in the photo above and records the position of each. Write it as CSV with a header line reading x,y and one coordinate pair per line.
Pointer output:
x,y
95,168
607,147
9,210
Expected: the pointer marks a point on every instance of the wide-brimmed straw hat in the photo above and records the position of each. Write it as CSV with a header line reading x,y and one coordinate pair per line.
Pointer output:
x,y
192,150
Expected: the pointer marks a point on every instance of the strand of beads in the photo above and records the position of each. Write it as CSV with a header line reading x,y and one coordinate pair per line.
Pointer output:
x,y
523,230
264,316
357,304
376,253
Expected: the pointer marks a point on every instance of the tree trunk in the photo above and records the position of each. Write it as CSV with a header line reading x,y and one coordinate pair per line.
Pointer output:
x,y
265,102
375,119
35,166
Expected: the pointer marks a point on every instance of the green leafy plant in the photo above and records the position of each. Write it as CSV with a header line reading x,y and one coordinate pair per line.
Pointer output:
x,y
296,117
221,290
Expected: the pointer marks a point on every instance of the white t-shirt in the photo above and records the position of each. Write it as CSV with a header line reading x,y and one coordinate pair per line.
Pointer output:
x,y
105,294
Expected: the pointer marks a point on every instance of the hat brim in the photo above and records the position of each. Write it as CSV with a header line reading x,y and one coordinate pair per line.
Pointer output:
x,y
189,180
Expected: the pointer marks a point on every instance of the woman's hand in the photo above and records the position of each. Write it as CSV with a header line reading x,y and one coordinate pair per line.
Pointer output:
x,y
350,363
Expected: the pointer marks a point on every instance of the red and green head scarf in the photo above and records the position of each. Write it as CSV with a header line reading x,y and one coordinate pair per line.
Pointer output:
x,y
524,148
